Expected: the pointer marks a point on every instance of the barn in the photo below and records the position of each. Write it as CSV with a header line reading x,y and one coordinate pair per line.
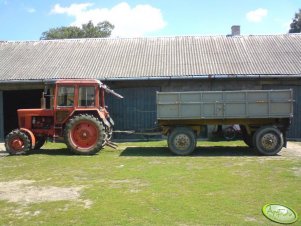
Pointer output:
x,y
138,67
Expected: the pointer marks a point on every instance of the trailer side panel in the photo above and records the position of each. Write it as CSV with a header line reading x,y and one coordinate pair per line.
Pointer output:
x,y
225,104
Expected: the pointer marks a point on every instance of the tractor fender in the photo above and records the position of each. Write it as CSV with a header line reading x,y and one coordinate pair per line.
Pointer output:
x,y
96,113
31,136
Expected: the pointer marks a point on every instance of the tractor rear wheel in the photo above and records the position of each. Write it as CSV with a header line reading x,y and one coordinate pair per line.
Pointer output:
x,y
17,142
84,134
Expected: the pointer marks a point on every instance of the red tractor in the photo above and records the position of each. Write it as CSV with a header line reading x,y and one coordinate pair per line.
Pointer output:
x,y
76,115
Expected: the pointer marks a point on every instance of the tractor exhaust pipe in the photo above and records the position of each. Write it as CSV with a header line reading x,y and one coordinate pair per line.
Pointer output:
x,y
43,101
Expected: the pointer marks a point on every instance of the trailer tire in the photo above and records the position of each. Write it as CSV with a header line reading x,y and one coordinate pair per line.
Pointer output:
x,y
84,134
17,142
229,133
268,140
182,141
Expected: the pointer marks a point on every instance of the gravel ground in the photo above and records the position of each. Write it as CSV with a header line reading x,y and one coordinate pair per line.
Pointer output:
x,y
293,149
2,150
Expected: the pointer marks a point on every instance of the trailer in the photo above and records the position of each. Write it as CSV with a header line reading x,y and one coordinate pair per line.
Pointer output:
x,y
264,117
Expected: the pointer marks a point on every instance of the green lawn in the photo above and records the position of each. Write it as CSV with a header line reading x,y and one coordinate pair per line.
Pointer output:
x,y
142,183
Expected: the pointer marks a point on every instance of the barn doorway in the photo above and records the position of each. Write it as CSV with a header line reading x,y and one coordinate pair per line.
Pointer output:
x,y
18,99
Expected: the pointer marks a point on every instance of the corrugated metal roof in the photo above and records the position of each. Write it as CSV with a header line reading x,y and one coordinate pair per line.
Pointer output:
x,y
114,58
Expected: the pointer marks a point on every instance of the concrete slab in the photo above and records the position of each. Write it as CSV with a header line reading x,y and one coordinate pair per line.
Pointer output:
x,y
3,153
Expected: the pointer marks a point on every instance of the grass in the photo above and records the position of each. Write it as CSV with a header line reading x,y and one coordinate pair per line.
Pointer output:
x,y
142,183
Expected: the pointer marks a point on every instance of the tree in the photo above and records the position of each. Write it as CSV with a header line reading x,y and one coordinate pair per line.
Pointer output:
x,y
296,24
101,30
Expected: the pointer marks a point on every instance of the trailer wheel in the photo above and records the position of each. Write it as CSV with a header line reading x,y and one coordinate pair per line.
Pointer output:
x,y
84,135
268,140
17,143
40,141
229,133
182,141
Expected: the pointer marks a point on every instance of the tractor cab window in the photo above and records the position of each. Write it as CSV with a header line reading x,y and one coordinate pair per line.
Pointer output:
x,y
65,96
86,96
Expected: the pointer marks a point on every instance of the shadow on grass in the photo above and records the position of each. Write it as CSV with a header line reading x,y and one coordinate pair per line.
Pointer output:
x,y
199,152
59,151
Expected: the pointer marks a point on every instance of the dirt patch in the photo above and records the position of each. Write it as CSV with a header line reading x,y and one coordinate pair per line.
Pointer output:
x,y
26,192
3,153
250,219
133,185
297,171
22,212
293,149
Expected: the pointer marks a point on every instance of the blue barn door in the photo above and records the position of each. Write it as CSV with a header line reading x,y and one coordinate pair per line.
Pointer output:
x,y
137,111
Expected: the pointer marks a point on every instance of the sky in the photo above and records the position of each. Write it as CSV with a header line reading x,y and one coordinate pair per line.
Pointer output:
x,y
26,20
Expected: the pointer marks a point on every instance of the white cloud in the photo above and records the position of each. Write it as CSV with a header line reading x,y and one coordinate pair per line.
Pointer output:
x,y
31,10
128,21
257,15
72,10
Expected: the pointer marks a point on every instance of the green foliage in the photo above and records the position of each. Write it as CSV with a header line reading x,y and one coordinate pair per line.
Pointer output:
x,y
101,30
142,183
296,24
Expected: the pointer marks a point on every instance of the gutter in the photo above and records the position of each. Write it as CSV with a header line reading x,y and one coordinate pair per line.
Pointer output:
x,y
199,77
19,81
203,77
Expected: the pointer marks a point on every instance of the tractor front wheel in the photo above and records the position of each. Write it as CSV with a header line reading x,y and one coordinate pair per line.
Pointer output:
x,y
17,142
84,134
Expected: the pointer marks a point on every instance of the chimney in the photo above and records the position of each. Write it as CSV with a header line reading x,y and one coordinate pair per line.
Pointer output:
x,y
235,30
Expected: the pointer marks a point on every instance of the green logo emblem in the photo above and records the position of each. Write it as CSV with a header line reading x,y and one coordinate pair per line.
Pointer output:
x,y
280,214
